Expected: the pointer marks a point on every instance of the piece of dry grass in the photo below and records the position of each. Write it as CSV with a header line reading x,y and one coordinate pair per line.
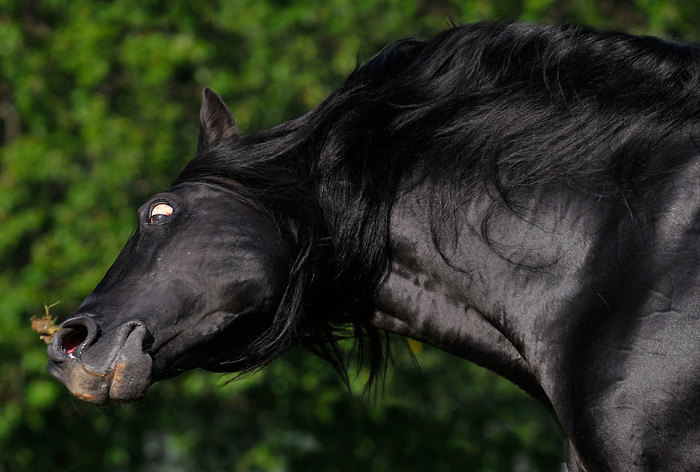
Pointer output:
x,y
45,325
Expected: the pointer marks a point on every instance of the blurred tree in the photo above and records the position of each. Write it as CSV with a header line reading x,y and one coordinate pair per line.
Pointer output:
x,y
98,107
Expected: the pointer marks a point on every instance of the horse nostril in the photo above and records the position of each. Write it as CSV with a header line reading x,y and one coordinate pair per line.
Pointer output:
x,y
73,337
76,332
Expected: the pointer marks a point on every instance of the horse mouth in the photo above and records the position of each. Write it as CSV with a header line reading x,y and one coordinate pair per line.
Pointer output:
x,y
102,371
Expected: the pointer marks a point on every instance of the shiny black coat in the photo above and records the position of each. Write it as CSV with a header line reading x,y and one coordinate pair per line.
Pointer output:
x,y
525,197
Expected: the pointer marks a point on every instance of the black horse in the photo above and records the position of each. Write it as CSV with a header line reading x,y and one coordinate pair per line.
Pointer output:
x,y
525,197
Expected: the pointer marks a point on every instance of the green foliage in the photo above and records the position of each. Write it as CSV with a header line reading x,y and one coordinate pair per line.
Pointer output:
x,y
98,107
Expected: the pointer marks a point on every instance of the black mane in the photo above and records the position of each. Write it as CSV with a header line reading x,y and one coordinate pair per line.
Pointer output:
x,y
495,109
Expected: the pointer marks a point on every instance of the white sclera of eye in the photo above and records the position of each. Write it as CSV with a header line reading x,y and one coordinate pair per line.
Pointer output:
x,y
162,209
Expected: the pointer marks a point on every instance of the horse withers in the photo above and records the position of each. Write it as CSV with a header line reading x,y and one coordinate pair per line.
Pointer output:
x,y
525,197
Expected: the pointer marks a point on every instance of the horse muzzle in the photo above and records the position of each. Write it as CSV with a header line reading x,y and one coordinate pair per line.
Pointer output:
x,y
102,370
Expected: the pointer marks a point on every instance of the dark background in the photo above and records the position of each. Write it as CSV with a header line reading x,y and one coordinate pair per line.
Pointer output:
x,y
98,109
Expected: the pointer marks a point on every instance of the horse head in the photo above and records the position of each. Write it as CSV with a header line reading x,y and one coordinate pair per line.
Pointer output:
x,y
199,279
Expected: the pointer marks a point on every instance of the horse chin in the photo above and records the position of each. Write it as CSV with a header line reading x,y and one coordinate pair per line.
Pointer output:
x,y
124,377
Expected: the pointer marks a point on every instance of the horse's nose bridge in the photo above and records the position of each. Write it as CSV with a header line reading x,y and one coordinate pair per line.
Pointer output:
x,y
76,334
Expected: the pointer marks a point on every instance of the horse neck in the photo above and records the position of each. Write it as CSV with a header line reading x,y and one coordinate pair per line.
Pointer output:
x,y
487,301
509,303
557,289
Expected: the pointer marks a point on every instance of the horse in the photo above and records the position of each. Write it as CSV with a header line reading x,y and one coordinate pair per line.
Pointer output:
x,y
525,197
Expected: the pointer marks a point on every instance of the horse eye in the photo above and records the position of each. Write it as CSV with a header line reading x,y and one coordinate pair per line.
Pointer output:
x,y
160,212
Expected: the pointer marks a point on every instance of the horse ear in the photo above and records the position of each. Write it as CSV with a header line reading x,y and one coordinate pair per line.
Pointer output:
x,y
215,121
